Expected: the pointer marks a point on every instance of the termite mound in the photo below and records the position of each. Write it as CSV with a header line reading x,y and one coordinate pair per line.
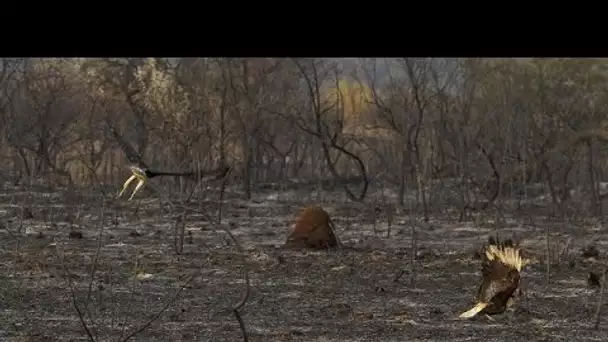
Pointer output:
x,y
313,228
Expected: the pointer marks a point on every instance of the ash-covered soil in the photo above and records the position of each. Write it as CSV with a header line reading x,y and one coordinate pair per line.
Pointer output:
x,y
366,292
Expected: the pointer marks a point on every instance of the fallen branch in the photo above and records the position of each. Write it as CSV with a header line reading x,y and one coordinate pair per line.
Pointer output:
x,y
92,333
600,301
84,324
235,308
245,296
160,312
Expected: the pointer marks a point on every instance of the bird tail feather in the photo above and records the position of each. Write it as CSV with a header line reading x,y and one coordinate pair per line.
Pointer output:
x,y
474,311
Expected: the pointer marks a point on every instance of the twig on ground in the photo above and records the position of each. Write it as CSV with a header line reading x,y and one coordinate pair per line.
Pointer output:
x,y
97,251
19,235
94,267
235,308
160,312
131,296
389,218
547,256
375,218
414,249
398,276
600,302
178,233
564,254
81,317
245,296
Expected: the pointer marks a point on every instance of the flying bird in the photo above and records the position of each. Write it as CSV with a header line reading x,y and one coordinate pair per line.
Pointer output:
x,y
138,173
501,267
142,173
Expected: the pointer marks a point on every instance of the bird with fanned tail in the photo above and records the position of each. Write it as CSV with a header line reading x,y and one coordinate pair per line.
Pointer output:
x,y
502,264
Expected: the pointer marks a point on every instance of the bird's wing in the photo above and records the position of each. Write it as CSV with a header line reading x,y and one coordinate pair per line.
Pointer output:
x,y
132,156
497,277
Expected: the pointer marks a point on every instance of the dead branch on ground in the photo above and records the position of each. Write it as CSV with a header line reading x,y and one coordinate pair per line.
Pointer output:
x,y
89,327
600,301
157,315
236,307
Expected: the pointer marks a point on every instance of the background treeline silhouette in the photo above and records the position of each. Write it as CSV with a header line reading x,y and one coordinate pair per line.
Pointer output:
x,y
451,134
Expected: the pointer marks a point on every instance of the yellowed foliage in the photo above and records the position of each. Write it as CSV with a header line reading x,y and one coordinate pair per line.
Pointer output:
x,y
101,83
353,97
49,75
161,93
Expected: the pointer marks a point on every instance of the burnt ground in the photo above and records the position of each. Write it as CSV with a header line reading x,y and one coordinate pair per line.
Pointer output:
x,y
361,293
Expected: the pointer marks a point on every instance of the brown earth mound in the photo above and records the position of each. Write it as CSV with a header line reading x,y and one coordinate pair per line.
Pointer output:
x,y
312,229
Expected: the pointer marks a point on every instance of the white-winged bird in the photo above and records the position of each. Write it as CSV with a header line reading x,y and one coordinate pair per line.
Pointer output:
x,y
141,172
140,175
501,267
143,175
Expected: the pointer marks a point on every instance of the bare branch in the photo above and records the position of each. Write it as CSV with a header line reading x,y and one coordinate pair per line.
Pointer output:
x,y
68,275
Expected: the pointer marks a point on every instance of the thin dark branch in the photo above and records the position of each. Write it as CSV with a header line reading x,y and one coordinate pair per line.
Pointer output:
x,y
160,312
94,265
245,296
235,308
97,251
600,302
68,275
